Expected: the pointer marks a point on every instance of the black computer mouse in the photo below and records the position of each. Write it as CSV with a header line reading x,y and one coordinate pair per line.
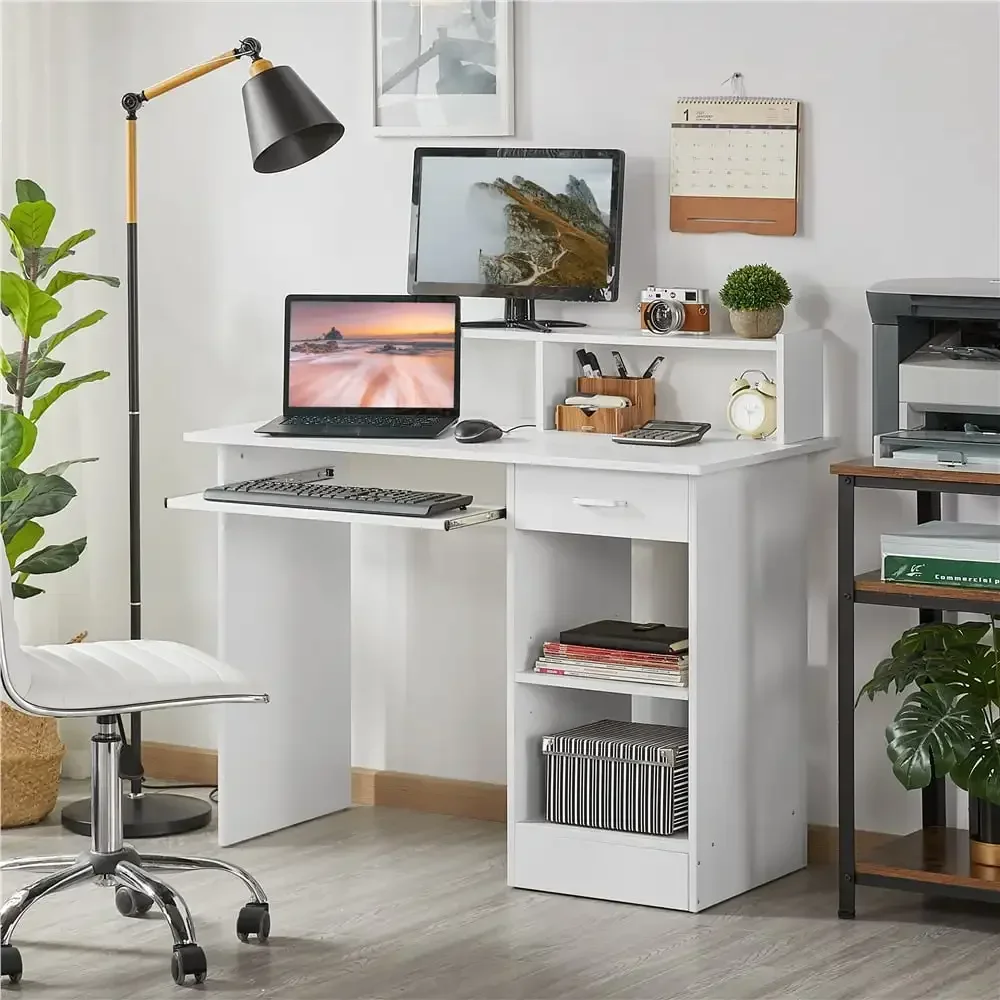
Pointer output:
x,y
477,431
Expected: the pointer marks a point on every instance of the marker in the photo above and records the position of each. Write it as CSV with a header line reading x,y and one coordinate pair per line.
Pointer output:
x,y
622,370
584,358
595,364
653,366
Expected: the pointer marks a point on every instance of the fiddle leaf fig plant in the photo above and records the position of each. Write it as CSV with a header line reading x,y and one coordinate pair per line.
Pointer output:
x,y
949,723
26,372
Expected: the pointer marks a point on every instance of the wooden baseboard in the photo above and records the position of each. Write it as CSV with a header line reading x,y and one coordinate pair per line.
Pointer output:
x,y
423,793
190,765
823,843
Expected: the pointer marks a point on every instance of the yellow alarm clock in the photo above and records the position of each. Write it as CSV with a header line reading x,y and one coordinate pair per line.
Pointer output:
x,y
753,406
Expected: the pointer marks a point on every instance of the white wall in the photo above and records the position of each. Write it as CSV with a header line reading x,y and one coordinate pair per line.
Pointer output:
x,y
900,178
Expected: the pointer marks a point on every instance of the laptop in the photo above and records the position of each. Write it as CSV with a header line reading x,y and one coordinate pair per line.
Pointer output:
x,y
378,366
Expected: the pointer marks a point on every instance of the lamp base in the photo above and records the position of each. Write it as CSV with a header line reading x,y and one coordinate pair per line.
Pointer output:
x,y
153,814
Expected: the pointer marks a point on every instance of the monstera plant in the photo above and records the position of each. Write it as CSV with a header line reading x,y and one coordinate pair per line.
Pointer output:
x,y
949,723
33,377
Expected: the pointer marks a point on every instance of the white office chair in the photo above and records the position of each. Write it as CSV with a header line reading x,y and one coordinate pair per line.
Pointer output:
x,y
109,680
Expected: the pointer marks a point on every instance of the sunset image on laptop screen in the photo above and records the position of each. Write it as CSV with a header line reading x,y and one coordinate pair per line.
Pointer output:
x,y
372,354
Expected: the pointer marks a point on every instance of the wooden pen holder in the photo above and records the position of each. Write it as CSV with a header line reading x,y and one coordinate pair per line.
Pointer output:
x,y
641,391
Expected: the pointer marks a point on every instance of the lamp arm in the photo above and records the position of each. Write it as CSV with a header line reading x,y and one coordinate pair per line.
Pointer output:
x,y
131,102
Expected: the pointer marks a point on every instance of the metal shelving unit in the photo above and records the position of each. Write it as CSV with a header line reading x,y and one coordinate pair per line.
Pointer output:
x,y
935,859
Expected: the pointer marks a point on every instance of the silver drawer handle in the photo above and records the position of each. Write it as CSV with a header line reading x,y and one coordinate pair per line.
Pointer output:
x,y
587,502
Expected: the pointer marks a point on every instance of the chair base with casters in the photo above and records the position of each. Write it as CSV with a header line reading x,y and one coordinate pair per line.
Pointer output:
x,y
111,862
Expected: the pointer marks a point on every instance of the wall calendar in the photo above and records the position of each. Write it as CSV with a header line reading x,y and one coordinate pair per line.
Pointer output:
x,y
734,165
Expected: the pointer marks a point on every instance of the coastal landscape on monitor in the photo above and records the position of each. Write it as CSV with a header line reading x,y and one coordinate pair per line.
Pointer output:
x,y
371,354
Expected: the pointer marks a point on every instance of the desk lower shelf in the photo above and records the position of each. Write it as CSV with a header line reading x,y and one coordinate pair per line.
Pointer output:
x,y
870,588
602,684
442,522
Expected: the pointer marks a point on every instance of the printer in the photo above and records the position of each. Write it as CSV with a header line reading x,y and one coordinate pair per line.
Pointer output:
x,y
936,373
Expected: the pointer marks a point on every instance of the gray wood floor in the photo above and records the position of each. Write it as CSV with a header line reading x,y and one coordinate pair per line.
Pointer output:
x,y
384,903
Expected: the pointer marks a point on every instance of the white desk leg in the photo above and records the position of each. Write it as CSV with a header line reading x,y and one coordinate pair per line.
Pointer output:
x,y
285,618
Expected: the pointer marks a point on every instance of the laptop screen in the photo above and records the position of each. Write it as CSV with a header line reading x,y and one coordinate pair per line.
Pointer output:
x,y
359,353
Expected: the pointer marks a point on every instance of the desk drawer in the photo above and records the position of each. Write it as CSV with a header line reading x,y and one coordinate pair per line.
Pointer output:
x,y
617,504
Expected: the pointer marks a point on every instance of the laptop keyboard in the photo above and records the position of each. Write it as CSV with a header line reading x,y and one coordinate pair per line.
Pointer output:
x,y
361,420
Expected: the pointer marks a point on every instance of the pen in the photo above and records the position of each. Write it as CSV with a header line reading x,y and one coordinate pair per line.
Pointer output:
x,y
622,370
653,366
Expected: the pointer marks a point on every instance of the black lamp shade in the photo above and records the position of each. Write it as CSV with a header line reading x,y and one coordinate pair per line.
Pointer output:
x,y
287,123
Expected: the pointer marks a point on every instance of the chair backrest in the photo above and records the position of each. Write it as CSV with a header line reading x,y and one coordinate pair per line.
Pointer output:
x,y
15,669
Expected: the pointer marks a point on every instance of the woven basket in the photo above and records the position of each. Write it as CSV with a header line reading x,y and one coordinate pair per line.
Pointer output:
x,y
30,763
31,756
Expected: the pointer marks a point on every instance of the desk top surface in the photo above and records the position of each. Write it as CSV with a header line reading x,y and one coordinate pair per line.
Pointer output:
x,y
718,451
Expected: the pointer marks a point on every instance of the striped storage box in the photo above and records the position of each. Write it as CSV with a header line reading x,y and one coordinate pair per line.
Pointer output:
x,y
627,776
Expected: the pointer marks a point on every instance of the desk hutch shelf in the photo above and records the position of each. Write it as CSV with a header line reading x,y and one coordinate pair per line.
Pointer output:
x,y
935,859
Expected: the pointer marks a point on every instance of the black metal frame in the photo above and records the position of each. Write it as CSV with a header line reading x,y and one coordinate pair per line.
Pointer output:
x,y
934,802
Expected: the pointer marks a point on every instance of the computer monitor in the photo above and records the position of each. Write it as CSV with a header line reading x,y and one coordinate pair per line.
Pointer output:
x,y
391,353
518,224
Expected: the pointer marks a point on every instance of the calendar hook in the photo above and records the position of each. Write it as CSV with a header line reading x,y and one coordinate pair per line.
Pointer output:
x,y
735,80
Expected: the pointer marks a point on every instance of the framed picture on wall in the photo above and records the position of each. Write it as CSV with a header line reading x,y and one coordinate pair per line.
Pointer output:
x,y
443,67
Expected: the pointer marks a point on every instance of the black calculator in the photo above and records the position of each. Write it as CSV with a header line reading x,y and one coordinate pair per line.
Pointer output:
x,y
670,433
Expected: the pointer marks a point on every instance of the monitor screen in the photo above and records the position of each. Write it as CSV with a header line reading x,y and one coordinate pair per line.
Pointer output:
x,y
385,352
524,223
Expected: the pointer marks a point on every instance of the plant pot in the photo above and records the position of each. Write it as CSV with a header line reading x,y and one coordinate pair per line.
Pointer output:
x,y
757,324
30,764
984,833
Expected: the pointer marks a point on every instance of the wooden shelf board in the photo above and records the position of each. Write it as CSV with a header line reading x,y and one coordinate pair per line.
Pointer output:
x,y
872,583
867,468
937,856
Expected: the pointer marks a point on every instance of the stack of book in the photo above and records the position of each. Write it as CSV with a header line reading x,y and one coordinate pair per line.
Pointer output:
x,y
596,651
944,553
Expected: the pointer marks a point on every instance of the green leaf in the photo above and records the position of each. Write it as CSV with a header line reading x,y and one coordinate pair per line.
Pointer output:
x,y
6,367
11,480
30,307
15,244
60,467
939,636
17,438
65,249
38,372
934,728
42,403
978,772
47,346
44,495
28,536
53,558
62,279
31,221
25,590
28,191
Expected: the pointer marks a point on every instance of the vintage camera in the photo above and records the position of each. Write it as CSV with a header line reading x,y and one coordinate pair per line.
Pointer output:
x,y
674,310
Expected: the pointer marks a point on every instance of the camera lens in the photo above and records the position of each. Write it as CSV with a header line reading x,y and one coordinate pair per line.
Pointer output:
x,y
665,316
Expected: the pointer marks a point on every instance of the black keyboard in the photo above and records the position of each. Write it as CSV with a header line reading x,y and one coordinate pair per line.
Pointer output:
x,y
360,420
304,490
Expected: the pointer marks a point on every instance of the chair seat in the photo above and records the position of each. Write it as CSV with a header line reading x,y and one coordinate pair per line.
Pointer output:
x,y
103,677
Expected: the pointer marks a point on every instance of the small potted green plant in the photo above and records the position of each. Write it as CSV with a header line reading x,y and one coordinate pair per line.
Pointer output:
x,y
949,723
30,750
756,296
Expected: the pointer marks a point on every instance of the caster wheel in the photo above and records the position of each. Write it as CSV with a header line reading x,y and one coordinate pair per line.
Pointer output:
x,y
131,903
188,960
253,919
10,963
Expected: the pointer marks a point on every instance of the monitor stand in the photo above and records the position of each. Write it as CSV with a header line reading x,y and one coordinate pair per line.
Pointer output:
x,y
519,314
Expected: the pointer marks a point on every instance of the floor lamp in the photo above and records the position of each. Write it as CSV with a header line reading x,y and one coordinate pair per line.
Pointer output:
x,y
288,125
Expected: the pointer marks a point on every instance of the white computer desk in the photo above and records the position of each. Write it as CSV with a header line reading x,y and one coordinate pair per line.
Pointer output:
x,y
734,515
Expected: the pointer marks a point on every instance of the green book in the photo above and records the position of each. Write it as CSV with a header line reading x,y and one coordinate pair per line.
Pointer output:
x,y
942,572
